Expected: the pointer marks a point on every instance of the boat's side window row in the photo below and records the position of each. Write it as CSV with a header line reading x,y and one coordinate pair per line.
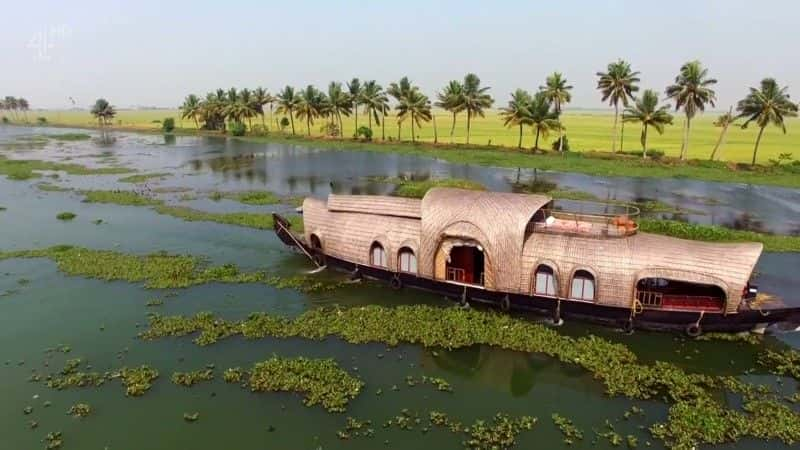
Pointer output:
x,y
582,288
406,259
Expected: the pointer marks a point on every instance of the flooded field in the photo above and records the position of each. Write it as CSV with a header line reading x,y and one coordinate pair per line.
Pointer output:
x,y
51,312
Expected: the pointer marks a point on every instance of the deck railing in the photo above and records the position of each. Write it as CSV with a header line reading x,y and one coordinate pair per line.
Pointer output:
x,y
455,274
616,220
661,300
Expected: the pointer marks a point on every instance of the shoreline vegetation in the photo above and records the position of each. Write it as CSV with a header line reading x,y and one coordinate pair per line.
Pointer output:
x,y
763,413
589,162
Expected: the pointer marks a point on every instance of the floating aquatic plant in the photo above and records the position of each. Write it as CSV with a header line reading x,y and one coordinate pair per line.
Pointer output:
x,y
53,440
66,216
22,169
137,380
79,410
141,178
568,429
784,362
356,428
155,301
234,375
49,187
691,395
191,417
189,379
127,198
321,381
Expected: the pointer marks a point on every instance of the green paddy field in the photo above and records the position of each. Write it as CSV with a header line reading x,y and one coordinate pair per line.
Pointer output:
x,y
586,130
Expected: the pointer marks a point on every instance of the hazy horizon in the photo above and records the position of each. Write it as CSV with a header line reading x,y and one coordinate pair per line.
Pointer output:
x,y
155,53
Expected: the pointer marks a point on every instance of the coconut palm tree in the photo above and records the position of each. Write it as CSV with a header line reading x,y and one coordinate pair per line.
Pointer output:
x,y
191,109
287,103
23,106
373,98
310,105
399,91
212,110
516,113
338,103
724,121
617,85
354,89
11,105
248,105
556,90
691,92
260,97
541,118
770,104
103,111
450,99
474,99
646,111
416,106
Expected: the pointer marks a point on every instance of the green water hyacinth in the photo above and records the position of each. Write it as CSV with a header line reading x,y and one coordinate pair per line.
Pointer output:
x,y
189,379
137,380
614,365
321,381
568,429
79,410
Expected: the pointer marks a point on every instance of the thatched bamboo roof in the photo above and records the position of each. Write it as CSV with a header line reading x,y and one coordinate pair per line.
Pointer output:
x,y
496,221
375,204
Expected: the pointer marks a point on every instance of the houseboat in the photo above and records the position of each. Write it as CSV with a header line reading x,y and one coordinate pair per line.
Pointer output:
x,y
518,252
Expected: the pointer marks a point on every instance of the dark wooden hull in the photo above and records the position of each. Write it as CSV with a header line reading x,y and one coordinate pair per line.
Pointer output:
x,y
649,319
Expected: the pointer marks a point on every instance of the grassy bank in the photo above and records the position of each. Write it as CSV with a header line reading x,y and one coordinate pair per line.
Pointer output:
x,y
585,157
587,131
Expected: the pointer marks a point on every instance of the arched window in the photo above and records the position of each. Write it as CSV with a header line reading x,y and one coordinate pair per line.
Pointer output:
x,y
582,286
406,260
377,255
545,281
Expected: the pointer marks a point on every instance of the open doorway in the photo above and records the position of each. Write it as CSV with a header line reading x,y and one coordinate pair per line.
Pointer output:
x,y
661,293
466,265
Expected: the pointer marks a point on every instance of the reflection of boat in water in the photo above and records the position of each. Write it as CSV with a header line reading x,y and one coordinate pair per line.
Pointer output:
x,y
519,252
516,372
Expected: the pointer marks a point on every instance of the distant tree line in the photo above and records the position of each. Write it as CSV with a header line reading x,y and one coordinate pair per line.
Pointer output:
x,y
15,105
691,93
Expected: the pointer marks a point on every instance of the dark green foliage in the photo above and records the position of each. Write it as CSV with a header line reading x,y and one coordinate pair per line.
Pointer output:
x,y
168,125
138,380
41,120
237,128
364,133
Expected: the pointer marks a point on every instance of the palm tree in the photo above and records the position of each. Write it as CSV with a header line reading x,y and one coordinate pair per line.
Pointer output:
x,y
310,106
540,117
399,91
11,105
354,89
474,98
617,85
287,103
338,103
191,109
450,99
646,111
260,98
103,111
373,98
23,106
249,106
724,121
516,113
556,91
691,92
769,104
415,105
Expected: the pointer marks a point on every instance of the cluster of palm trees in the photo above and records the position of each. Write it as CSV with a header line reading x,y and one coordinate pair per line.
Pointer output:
x,y
691,92
14,105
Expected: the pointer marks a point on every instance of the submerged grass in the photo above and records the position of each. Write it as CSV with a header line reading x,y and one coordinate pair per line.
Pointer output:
x,y
243,219
321,381
141,178
696,416
161,270
249,197
24,169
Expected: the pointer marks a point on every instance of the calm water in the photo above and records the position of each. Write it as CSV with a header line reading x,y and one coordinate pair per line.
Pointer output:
x,y
53,309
